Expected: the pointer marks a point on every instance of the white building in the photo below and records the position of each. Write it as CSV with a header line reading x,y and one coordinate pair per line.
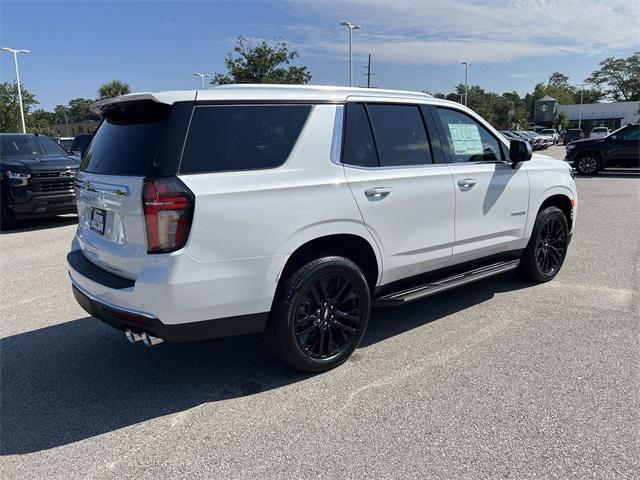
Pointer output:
x,y
612,115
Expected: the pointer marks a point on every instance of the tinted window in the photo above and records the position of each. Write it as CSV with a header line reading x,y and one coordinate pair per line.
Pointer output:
x,y
400,135
28,146
81,143
243,137
126,141
359,147
630,133
466,139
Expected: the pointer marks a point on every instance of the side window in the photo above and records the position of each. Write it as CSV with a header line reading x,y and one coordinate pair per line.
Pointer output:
x,y
241,137
630,133
359,147
466,139
400,135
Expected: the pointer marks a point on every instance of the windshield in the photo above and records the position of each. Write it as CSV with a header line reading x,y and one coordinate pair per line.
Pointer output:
x,y
28,146
549,131
600,129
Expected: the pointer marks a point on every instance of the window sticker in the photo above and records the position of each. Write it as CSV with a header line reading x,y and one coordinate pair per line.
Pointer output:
x,y
466,139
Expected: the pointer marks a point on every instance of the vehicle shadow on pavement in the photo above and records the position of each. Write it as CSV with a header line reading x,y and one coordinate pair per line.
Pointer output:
x,y
80,379
35,224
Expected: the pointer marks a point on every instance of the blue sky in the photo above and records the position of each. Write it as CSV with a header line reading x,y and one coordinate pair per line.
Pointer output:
x,y
415,44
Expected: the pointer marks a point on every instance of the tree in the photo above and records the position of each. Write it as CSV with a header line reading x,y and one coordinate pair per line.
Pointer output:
x,y
263,63
41,121
558,79
618,78
561,121
114,88
77,110
10,107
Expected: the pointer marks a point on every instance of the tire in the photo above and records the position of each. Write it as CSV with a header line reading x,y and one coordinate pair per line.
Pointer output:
x,y
319,315
7,218
543,258
587,164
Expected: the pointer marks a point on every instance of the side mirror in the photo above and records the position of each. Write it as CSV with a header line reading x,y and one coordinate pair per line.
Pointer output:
x,y
519,151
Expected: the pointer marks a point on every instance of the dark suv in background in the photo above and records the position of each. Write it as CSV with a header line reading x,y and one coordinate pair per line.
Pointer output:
x,y
37,178
618,149
573,134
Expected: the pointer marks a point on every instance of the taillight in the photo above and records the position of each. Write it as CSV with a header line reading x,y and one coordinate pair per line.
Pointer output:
x,y
168,211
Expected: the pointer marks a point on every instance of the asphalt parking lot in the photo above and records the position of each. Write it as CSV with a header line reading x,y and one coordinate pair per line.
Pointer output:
x,y
498,379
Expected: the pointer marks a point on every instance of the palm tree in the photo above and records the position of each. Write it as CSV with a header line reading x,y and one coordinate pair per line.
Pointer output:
x,y
112,89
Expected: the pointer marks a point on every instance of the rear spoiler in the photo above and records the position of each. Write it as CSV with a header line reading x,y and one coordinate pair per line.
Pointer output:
x,y
167,98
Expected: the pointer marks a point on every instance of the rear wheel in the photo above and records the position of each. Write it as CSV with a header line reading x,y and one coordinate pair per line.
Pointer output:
x,y
587,164
547,248
320,314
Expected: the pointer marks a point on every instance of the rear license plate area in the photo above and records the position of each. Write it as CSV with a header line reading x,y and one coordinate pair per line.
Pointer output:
x,y
98,220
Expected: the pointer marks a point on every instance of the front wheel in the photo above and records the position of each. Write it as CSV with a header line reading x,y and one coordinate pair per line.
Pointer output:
x,y
542,259
587,164
320,314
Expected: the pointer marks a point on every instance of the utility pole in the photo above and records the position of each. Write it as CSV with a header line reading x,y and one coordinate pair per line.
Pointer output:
x,y
15,60
66,121
351,28
466,72
368,74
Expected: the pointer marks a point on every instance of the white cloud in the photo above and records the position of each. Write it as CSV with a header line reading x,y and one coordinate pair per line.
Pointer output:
x,y
451,31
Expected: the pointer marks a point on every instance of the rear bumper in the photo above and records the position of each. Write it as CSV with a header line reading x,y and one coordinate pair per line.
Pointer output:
x,y
172,311
44,204
136,321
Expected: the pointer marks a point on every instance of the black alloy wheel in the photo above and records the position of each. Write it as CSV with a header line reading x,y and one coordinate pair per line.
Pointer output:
x,y
320,314
547,248
328,317
551,246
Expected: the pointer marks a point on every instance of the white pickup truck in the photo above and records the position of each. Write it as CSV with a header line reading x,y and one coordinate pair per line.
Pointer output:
x,y
292,210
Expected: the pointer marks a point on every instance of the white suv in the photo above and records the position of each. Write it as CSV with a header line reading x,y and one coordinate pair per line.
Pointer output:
x,y
292,210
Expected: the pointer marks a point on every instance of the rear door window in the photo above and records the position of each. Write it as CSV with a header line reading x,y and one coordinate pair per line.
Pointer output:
x,y
241,137
400,135
359,147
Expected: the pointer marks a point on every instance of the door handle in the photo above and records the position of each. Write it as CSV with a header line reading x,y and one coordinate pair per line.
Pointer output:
x,y
467,182
378,193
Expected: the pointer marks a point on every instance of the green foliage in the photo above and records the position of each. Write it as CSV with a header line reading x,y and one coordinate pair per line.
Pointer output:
x,y
41,121
10,108
561,121
262,63
76,110
618,78
114,88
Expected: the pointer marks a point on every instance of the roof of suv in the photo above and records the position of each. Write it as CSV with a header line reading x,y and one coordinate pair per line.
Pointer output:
x,y
252,92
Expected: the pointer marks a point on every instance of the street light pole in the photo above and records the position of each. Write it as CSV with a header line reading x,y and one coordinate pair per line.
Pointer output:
x,y
202,77
581,102
15,60
351,28
466,74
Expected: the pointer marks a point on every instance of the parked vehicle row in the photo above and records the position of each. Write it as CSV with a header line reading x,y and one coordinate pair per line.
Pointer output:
x,y
291,210
620,148
536,140
74,145
37,178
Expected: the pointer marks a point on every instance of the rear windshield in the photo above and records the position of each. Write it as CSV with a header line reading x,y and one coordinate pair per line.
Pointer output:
x,y
127,140
29,146
241,137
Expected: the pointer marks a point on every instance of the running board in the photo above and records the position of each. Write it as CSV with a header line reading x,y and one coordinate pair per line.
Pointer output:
x,y
422,291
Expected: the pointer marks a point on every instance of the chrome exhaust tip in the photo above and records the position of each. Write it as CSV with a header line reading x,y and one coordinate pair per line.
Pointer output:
x,y
132,337
150,340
